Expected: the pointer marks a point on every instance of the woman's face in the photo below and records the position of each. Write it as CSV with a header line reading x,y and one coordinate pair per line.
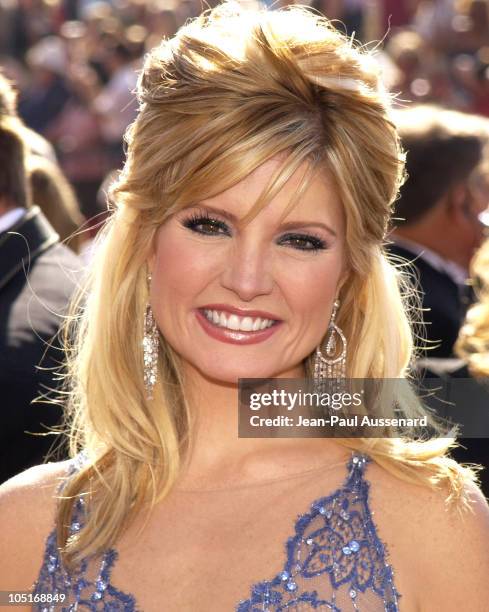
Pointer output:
x,y
249,302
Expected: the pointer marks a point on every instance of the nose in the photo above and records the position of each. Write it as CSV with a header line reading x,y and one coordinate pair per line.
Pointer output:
x,y
248,271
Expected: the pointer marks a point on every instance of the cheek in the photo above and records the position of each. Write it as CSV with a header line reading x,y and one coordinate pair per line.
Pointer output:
x,y
171,261
181,268
172,265
312,288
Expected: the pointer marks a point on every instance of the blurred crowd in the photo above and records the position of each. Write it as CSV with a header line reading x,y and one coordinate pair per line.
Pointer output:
x,y
75,64
69,71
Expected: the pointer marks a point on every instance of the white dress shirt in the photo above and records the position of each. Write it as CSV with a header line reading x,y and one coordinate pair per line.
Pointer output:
x,y
10,218
457,273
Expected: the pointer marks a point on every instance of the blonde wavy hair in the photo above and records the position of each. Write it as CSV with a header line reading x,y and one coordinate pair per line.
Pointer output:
x,y
473,341
232,89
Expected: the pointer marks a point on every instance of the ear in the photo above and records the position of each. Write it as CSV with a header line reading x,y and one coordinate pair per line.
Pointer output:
x,y
456,202
344,276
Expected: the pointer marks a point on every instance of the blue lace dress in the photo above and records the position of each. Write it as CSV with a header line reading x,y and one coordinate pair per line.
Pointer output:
x,y
335,561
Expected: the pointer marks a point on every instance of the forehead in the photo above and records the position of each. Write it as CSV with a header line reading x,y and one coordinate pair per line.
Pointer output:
x,y
318,201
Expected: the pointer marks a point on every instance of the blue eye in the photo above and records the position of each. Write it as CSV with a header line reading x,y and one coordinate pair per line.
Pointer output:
x,y
304,242
203,223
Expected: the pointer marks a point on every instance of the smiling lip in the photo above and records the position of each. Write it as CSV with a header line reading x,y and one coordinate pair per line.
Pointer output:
x,y
241,312
232,336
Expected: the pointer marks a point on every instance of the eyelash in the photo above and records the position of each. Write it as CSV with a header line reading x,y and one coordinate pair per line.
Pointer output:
x,y
193,221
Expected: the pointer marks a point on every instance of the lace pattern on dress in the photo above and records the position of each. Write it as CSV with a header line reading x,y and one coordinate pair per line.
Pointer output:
x,y
335,561
336,540
80,592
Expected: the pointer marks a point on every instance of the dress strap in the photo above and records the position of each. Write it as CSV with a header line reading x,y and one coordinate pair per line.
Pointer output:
x,y
356,467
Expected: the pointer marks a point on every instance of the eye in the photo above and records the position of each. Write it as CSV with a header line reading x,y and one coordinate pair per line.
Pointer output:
x,y
304,242
203,223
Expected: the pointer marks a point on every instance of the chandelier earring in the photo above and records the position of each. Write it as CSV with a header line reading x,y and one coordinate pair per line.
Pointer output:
x,y
150,349
330,357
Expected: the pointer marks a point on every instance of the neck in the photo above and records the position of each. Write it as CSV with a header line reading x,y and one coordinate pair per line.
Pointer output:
x,y
431,237
218,456
5,207
418,234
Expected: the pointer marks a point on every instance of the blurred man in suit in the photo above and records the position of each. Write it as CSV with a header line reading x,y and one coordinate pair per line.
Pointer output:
x,y
37,279
438,229
438,225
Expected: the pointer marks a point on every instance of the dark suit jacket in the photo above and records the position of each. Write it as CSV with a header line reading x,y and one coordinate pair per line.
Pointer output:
x,y
448,303
446,300
37,278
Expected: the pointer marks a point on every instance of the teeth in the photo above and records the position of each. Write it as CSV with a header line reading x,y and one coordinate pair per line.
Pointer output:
x,y
247,324
236,323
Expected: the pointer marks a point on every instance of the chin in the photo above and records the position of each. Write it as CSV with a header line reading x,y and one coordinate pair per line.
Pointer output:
x,y
230,374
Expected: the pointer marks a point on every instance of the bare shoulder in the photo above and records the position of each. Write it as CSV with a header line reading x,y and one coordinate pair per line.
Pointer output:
x,y
443,548
27,516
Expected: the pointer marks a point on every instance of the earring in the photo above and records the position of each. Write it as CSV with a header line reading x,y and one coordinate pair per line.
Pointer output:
x,y
332,365
150,349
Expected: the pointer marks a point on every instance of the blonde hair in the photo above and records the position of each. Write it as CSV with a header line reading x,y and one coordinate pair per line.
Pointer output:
x,y
231,90
473,341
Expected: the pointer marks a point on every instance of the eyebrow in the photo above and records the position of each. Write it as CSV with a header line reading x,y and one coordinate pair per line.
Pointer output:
x,y
289,225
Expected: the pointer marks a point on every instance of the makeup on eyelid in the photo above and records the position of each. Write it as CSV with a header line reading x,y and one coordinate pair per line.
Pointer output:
x,y
203,218
208,210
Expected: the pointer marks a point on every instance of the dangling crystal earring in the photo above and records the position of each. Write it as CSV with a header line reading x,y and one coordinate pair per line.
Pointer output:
x,y
150,349
333,365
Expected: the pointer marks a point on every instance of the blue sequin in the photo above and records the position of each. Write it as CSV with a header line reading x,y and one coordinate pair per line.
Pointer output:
x,y
354,546
336,542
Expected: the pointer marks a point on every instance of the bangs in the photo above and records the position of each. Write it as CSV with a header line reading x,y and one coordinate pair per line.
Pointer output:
x,y
291,163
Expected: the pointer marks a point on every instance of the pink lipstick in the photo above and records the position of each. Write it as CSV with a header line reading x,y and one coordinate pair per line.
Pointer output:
x,y
232,336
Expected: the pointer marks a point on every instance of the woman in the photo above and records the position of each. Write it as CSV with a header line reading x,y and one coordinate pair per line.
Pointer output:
x,y
256,194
